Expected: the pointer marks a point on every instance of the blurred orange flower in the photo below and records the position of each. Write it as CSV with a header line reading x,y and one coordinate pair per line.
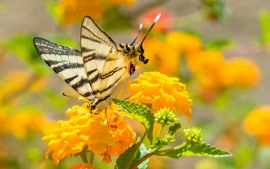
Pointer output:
x,y
83,166
214,73
9,86
92,131
257,124
72,10
240,72
21,123
165,54
162,56
183,42
206,67
160,91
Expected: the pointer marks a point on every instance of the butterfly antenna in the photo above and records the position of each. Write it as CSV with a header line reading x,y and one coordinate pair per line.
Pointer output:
x,y
64,94
154,22
135,39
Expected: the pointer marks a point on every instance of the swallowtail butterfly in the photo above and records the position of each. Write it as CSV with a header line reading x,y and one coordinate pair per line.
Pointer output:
x,y
96,70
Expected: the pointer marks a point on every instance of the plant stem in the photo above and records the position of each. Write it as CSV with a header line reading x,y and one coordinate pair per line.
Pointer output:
x,y
159,131
162,152
137,148
92,156
145,157
83,156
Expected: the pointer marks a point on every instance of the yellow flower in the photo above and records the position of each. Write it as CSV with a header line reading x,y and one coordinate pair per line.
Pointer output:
x,y
206,67
162,56
183,42
84,129
160,91
165,54
214,73
21,123
74,10
257,124
240,72
10,86
83,166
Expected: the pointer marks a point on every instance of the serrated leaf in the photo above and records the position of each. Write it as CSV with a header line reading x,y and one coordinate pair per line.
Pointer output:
x,y
167,139
140,112
130,156
203,149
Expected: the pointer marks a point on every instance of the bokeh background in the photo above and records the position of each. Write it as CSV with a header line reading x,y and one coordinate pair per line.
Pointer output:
x,y
219,49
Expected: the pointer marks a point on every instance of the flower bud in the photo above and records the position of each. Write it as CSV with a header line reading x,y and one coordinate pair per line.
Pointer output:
x,y
165,116
193,135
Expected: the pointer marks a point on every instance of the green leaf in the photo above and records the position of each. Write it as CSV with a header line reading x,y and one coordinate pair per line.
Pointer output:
x,y
140,112
217,44
215,9
203,149
130,156
264,17
158,143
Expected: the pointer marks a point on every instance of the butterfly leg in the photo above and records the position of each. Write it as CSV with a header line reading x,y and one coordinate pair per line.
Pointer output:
x,y
107,117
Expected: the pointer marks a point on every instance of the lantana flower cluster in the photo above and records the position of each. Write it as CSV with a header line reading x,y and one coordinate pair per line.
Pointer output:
x,y
160,90
84,129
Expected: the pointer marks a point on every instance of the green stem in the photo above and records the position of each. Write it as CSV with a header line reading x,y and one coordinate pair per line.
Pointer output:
x,y
92,156
162,152
135,152
83,156
145,157
159,131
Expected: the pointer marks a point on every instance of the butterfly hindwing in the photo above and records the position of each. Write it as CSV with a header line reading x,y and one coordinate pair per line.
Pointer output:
x,y
67,63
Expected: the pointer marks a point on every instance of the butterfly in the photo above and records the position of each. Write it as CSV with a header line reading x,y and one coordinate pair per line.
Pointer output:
x,y
101,64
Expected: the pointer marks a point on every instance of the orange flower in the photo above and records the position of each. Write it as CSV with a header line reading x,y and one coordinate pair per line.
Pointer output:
x,y
84,129
162,56
161,91
165,54
83,166
240,72
73,10
21,123
183,42
257,124
206,67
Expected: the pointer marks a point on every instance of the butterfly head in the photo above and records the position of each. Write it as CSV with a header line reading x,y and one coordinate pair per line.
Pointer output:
x,y
136,51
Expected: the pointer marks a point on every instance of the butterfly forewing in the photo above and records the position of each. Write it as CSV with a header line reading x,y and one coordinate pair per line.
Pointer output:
x,y
67,63
96,46
114,70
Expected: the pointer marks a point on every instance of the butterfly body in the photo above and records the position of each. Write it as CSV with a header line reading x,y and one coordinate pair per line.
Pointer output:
x,y
98,68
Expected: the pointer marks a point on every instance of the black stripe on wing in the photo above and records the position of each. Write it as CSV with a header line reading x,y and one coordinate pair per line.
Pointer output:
x,y
44,46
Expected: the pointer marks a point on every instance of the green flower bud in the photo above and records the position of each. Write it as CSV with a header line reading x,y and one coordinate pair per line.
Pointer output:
x,y
165,116
193,135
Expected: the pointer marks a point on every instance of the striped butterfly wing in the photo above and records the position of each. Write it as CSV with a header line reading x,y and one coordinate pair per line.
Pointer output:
x,y
67,63
95,47
114,71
